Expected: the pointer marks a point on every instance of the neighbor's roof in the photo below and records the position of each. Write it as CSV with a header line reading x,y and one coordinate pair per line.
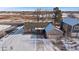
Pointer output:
x,y
71,21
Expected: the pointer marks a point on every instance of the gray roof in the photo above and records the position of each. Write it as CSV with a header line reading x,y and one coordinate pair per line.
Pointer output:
x,y
71,21
49,27
53,30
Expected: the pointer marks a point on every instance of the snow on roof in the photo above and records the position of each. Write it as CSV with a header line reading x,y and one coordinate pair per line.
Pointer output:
x,y
39,28
71,21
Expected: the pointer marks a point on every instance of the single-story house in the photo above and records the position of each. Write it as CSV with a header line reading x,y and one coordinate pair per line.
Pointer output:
x,y
44,28
70,27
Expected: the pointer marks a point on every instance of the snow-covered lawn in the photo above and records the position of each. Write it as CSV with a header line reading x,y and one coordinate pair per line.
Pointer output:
x,y
3,27
17,41
71,44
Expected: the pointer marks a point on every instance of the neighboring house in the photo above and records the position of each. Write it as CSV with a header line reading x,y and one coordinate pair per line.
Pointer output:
x,y
44,28
70,26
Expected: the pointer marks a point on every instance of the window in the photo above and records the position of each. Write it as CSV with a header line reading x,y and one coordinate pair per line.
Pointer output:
x,y
76,27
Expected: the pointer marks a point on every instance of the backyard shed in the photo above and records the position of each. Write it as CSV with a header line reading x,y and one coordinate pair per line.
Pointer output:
x,y
52,32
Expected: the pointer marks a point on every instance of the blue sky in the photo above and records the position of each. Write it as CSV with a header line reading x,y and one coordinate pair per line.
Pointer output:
x,y
34,8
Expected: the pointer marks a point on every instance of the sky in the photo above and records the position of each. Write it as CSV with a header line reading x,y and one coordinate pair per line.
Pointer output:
x,y
40,3
34,8
30,5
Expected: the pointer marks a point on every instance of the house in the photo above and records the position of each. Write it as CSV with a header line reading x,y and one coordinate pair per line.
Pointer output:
x,y
70,26
43,28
